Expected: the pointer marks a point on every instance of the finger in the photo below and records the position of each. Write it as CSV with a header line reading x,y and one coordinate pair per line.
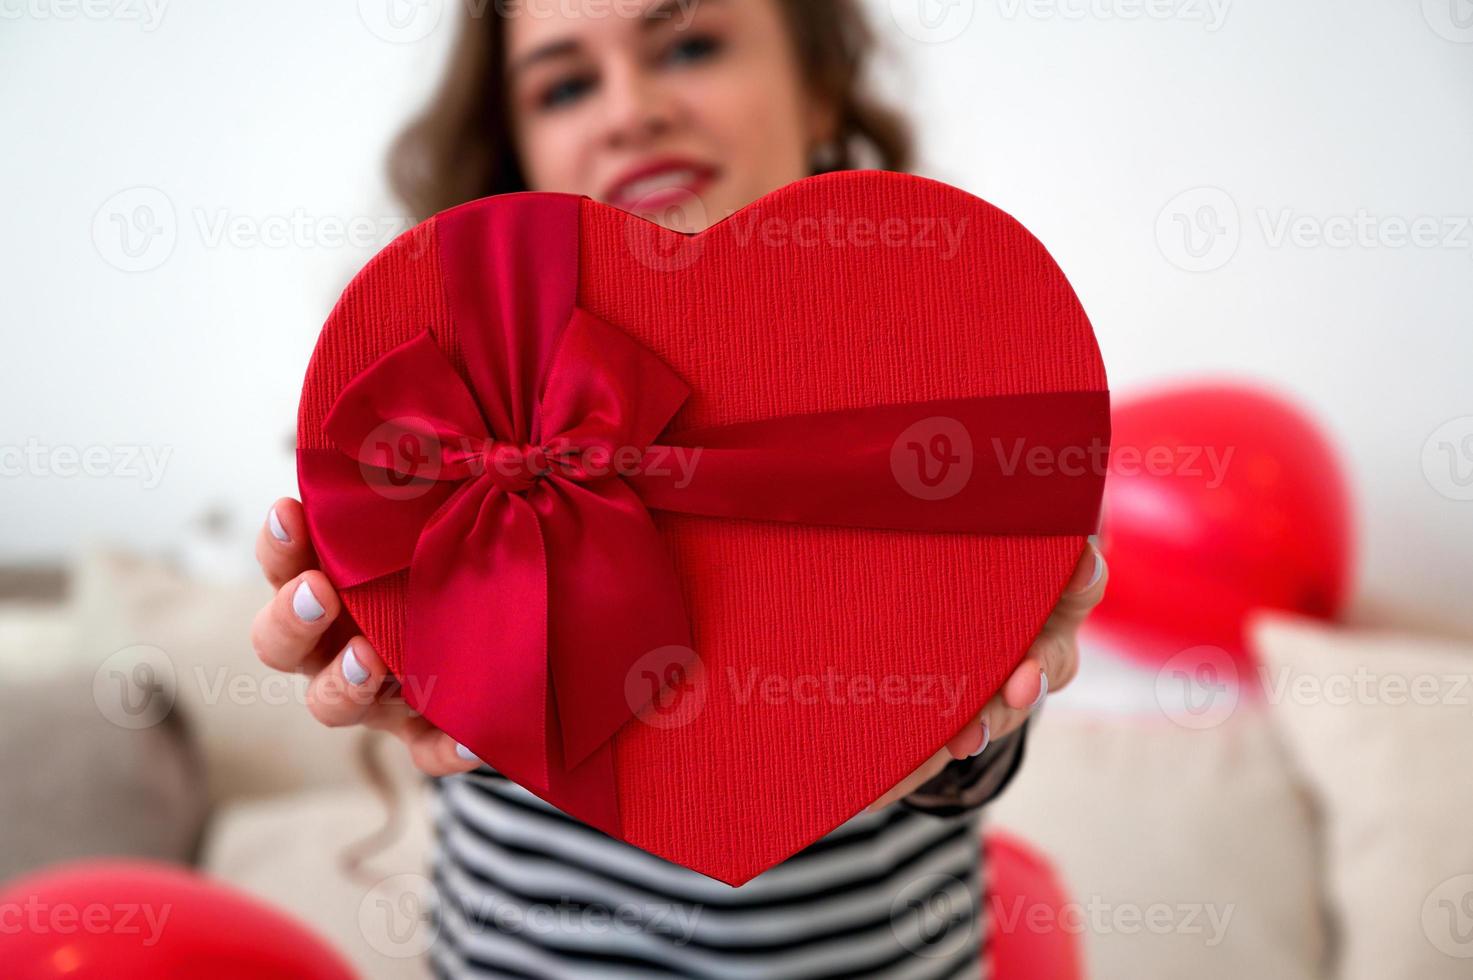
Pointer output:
x,y
346,690
281,545
1027,686
1086,586
1051,656
1050,665
1058,651
287,631
996,720
390,712
1004,720
972,739
435,753
432,751
914,781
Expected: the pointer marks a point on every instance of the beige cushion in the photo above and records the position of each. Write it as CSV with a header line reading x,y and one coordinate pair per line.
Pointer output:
x,y
1381,727
289,851
252,723
85,772
1190,853
81,779
37,639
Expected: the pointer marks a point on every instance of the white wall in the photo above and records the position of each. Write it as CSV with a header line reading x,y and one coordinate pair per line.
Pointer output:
x,y
1087,119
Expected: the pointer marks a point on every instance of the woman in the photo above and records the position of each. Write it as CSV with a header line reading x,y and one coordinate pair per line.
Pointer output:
x,y
687,110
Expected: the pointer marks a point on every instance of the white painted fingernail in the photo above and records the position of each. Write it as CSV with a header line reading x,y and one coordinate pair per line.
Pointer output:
x,y
986,739
1042,688
305,605
278,530
355,672
466,753
1099,571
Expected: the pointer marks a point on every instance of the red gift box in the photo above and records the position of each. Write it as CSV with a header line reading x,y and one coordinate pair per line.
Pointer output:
x,y
707,540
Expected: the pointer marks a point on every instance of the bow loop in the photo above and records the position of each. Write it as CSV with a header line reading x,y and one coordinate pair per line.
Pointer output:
x,y
607,396
410,416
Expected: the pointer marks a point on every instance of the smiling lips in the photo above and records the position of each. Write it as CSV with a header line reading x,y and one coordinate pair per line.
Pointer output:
x,y
660,184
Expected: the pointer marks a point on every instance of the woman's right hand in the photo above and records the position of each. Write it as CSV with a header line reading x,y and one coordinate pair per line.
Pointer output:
x,y
349,684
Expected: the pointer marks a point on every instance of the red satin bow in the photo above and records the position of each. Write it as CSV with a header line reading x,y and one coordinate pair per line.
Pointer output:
x,y
537,578
546,556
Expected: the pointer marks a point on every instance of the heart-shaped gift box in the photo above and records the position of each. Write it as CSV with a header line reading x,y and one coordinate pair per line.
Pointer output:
x,y
708,540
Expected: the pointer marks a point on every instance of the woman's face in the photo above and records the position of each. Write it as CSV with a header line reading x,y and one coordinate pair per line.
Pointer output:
x,y
682,110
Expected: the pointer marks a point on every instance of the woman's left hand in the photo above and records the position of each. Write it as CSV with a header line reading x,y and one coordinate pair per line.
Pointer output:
x,y
1050,665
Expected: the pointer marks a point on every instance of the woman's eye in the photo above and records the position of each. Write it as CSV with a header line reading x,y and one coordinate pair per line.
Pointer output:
x,y
564,92
693,49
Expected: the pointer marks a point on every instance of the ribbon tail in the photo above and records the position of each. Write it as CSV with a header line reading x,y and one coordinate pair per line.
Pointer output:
x,y
477,650
616,610
474,660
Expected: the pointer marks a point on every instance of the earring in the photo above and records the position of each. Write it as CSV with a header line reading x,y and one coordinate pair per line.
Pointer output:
x,y
826,157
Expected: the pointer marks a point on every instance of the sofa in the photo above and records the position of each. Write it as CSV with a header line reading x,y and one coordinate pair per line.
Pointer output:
x,y
1316,828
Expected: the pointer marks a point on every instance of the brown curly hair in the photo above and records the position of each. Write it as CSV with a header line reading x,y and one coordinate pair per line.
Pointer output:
x,y
460,148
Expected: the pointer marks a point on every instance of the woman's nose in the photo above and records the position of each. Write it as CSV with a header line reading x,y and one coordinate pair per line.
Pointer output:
x,y
639,109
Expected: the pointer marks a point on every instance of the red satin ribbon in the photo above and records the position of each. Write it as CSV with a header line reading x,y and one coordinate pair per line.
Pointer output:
x,y
518,496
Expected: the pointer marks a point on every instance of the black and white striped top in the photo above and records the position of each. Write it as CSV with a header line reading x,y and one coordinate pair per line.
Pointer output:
x,y
524,891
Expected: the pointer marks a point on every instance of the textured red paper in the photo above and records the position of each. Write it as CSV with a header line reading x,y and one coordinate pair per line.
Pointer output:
x,y
822,651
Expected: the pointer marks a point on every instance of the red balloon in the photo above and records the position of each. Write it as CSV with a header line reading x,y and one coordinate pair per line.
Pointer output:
x,y
1220,500
1034,927
112,919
